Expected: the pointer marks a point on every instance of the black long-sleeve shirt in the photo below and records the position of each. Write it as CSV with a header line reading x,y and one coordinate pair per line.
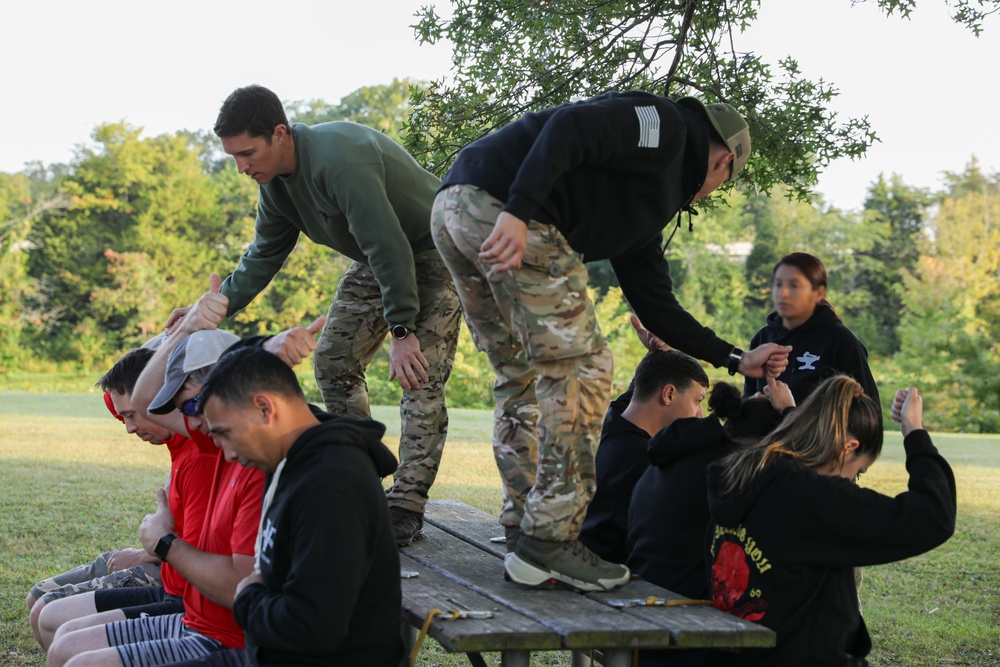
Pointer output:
x,y
610,173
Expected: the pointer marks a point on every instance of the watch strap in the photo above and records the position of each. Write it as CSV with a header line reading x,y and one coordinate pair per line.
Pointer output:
x,y
735,358
163,546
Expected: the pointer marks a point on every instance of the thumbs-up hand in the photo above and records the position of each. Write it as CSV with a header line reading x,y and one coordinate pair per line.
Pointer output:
x,y
156,525
295,344
908,410
779,395
208,312
162,502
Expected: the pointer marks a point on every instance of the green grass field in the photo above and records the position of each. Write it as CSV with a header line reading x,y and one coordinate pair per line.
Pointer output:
x,y
73,484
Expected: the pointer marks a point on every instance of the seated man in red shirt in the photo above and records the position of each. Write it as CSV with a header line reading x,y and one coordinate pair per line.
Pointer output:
x,y
111,569
129,592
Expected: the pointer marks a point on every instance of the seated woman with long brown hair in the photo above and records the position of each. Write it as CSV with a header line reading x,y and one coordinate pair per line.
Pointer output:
x,y
789,523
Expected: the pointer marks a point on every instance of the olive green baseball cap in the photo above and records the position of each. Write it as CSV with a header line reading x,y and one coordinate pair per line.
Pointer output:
x,y
730,126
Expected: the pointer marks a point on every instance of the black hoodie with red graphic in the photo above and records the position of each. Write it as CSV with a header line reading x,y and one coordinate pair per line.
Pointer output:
x,y
782,552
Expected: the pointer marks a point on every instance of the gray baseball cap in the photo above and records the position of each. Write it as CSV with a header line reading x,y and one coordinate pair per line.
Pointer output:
x,y
730,125
200,349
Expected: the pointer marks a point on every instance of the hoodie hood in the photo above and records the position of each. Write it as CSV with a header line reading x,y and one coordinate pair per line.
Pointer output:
x,y
684,437
822,317
337,431
731,510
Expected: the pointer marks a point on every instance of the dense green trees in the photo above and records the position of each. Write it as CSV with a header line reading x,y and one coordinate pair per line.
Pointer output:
x,y
950,325
95,254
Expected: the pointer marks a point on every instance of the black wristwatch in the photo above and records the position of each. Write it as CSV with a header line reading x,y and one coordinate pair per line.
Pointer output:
x,y
735,357
398,331
163,546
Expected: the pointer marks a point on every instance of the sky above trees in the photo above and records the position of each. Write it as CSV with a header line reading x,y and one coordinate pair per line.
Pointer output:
x,y
923,82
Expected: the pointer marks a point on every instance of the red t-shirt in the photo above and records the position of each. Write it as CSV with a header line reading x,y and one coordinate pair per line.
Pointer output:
x,y
230,528
192,472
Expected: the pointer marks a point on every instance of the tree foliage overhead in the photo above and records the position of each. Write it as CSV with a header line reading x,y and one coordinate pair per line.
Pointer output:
x,y
513,56
967,13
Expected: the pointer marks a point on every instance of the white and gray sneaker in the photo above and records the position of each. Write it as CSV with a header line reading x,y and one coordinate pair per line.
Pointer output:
x,y
538,563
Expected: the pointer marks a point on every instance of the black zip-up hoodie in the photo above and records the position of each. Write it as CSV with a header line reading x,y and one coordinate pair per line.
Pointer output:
x,y
331,592
609,173
821,346
783,551
669,514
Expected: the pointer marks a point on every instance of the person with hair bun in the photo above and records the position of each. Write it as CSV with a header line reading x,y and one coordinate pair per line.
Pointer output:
x,y
821,344
789,523
668,517
669,510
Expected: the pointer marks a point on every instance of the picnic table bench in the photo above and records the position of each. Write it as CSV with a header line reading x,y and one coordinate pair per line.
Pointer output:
x,y
458,567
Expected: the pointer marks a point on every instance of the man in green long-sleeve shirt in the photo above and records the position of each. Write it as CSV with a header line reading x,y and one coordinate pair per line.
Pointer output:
x,y
353,189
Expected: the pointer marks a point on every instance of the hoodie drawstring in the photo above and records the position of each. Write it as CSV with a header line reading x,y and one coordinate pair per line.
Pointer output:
x,y
684,209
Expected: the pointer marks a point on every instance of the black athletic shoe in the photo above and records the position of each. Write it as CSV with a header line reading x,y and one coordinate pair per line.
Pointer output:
x,y
407,525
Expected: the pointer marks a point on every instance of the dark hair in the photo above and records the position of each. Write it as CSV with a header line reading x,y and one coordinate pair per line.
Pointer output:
x,y
246,371
814,434
811,267
658,369
747,419
254,110
125,373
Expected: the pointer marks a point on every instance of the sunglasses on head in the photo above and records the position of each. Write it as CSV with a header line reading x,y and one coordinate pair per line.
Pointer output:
x,y
189,408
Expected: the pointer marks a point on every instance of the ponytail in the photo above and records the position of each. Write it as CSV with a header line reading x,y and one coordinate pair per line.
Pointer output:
x,y
813,435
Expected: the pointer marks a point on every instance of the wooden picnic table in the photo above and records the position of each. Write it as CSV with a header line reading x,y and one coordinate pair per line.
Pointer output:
x,y
458,566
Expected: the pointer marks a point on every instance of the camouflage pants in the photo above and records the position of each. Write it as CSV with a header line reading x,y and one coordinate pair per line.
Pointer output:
x,y
354,331
553,368
94,576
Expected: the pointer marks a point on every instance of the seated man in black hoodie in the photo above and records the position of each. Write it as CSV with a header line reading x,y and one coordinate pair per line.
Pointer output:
x,y
668,385
326,584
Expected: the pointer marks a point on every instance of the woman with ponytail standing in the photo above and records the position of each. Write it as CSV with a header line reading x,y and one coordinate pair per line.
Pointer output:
x,y
789,523
804,319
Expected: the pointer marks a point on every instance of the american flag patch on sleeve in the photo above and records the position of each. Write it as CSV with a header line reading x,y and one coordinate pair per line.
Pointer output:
x,y
649,127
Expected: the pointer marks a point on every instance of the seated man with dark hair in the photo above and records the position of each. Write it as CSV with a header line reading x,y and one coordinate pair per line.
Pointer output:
x,y
326,586
668,385
130,593
111,569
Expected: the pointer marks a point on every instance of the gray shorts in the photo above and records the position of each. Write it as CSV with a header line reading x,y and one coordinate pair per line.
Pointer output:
x,y
158,640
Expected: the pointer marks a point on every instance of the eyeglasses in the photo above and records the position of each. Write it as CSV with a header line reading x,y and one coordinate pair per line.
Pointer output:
x,y
189,408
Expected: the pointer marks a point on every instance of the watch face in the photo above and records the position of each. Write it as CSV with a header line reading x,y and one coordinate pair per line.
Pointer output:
x,y
163,546
399,331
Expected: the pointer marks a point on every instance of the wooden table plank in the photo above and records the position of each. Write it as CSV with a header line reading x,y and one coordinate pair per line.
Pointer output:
x,y
506,630
580,621
689,626
695,626
466,523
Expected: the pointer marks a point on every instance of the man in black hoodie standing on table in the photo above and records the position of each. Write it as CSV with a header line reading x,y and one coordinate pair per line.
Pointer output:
x,y
517,216
326,584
